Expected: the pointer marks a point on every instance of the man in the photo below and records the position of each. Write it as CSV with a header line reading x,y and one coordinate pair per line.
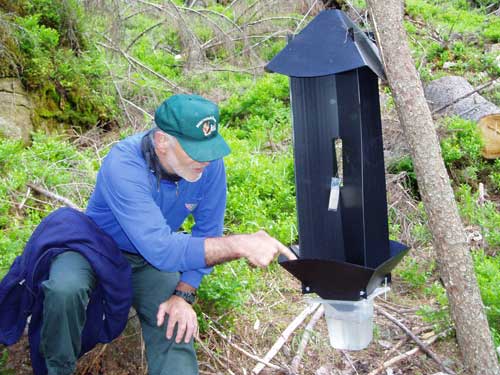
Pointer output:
x,y
146,187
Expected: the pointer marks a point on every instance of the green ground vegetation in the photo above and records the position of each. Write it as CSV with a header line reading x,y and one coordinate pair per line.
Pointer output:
x,y
453,34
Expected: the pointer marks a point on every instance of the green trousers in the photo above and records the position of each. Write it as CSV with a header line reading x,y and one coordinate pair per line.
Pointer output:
x,y
67,294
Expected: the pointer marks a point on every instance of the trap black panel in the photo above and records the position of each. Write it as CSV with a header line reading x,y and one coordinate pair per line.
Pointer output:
x,y
363,196
345,252
315,120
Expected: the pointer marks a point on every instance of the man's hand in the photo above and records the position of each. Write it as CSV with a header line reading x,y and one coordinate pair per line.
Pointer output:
x,y
258,248
181,313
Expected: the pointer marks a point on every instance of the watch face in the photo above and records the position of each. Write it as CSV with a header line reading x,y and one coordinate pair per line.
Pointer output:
x,y
188,297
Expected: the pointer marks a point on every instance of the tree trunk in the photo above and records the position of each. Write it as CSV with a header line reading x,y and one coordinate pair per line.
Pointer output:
x,y
453,258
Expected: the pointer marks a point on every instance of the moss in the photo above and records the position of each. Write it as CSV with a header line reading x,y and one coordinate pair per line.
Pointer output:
x,y
10,55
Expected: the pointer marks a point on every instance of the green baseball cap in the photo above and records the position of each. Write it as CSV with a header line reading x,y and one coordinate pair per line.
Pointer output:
x,y
194,122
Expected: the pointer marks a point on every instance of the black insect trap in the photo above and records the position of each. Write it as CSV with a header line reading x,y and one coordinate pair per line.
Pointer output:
x,y
344,254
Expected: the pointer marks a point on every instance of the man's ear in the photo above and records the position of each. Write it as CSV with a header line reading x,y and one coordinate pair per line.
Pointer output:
x,y
161,142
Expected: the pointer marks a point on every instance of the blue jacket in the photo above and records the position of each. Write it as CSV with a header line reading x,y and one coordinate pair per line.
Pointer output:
x,y
21,294
143,216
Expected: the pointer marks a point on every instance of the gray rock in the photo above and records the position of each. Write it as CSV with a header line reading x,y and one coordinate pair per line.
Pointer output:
x,y
15,110
445,90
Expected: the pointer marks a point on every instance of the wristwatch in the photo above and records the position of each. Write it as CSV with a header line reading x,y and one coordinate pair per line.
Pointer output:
x,y
186,296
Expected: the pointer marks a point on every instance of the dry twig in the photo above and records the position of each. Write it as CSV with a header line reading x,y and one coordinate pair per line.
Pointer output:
x,y
210,354
90,366
119,92
481,194
54,196
396,308
23,202
145,31
419,342
305,16
294,368
285,335
243,351
134,61
138,108
405,355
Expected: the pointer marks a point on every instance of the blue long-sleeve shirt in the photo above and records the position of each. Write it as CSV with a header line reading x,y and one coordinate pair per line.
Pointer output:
x,y
143,218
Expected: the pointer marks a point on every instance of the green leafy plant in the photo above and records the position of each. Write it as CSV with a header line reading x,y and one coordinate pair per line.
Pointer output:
x,y
3,363
462,144
225,291
50,161
405,164
266,100
415,273
46,48
488,276
436,313
487,216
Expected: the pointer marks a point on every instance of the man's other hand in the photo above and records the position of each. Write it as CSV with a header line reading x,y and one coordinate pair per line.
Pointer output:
x,y
181,313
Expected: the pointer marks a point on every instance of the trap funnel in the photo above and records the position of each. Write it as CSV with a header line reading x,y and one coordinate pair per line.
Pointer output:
x,y
344,249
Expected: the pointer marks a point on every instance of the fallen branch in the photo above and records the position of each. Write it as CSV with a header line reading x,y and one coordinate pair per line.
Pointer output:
x,y
212,43
247,11
138,108
419,342
243,351
481,195
119,92
349,361
406,355
403,341
266,38
396,308
145,31
294,368
305,16
199,12
23,202
251,70
395,348
273,19
54,196
285,335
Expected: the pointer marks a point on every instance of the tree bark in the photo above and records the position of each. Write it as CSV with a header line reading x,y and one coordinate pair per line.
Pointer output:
x,y
452,252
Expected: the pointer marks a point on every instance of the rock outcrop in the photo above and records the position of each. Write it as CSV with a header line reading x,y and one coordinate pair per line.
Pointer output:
x,y
15,110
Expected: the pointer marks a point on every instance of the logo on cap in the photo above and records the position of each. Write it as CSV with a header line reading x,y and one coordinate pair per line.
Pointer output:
x,y
208,125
